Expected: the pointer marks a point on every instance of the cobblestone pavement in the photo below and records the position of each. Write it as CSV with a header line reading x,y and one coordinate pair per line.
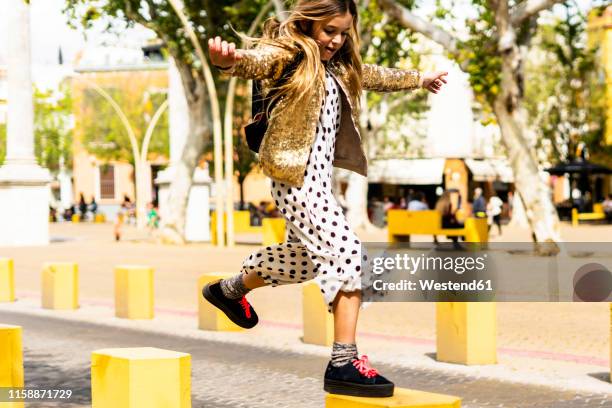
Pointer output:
x,y
57,354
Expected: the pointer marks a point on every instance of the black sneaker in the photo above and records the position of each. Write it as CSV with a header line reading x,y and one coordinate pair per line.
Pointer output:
x,y
238,311
358,379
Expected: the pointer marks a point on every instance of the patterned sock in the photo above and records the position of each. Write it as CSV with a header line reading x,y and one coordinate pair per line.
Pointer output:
x,y
233,288
343,353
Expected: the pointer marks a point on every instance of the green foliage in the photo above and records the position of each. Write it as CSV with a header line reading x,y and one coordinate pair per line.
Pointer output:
x,y
565,89
105,135
385,42
52,128
480,59
208,18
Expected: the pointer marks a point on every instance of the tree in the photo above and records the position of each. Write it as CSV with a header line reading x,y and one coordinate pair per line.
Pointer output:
x,y
244,160
104,135
52,128
206,19
499,33
384,42
129,100
565,92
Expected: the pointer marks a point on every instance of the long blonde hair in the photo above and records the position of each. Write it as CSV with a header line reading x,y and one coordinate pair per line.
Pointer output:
x,y
295,33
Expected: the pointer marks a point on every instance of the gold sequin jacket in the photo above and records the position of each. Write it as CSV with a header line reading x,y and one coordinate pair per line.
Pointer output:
x,y
284,150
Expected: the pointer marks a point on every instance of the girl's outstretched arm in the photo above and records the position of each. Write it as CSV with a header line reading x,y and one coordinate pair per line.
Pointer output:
x,y
382,79
262,62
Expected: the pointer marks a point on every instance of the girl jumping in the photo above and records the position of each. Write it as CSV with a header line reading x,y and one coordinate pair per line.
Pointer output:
x,y
311,71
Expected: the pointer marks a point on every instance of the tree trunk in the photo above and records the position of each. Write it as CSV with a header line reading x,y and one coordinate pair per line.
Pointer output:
x,y
512,119
356,196
173,230
241,183
535,194
357,203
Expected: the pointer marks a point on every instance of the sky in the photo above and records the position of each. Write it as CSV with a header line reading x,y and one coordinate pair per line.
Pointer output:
x,y
50,31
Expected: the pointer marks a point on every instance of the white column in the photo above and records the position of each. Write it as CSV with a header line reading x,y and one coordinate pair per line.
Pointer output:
x,y
24,186
20,126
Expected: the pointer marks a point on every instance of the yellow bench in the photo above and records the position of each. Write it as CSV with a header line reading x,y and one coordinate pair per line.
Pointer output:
x,y
597,214
429,222
242,224
272,229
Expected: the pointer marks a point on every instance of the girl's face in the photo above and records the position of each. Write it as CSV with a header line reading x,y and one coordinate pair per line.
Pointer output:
x,y
330,34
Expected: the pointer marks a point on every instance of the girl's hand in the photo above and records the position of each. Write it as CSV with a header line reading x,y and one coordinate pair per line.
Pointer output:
x,y
433,81
222,54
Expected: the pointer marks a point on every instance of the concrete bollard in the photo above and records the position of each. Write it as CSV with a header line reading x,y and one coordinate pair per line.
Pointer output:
x,y
11,360
466,332
134,292
60,286
209,317
318,323
402,398
7,280
140,377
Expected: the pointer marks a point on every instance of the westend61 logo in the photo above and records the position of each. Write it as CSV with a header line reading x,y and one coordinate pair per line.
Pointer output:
x,y
434,273
412,264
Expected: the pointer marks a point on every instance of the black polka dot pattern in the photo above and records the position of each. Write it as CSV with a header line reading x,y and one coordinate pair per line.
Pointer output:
x,y
319,244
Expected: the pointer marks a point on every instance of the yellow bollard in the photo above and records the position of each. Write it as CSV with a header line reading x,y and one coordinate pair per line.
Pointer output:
x,y
209,317
11,361
402,398
134,292
60,286
100,218
7,280
273,231
476,230
140,377
466,332
76,218
318,323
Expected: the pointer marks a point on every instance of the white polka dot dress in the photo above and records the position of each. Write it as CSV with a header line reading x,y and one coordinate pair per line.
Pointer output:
x,y
319,245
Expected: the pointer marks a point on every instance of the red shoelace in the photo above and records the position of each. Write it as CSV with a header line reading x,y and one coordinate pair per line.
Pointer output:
x,y
245,305
363,366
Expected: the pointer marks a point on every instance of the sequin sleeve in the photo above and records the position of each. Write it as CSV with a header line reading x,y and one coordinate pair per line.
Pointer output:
x,y
264,62
381,79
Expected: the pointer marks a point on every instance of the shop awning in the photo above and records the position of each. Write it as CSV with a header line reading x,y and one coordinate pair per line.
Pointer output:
x,y
490,170
406,171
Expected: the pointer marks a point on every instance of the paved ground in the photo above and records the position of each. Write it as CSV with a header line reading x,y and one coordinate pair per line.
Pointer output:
x,y
234,375
560,345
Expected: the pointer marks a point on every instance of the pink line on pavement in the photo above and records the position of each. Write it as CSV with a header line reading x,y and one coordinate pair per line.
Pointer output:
x,y
543,355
